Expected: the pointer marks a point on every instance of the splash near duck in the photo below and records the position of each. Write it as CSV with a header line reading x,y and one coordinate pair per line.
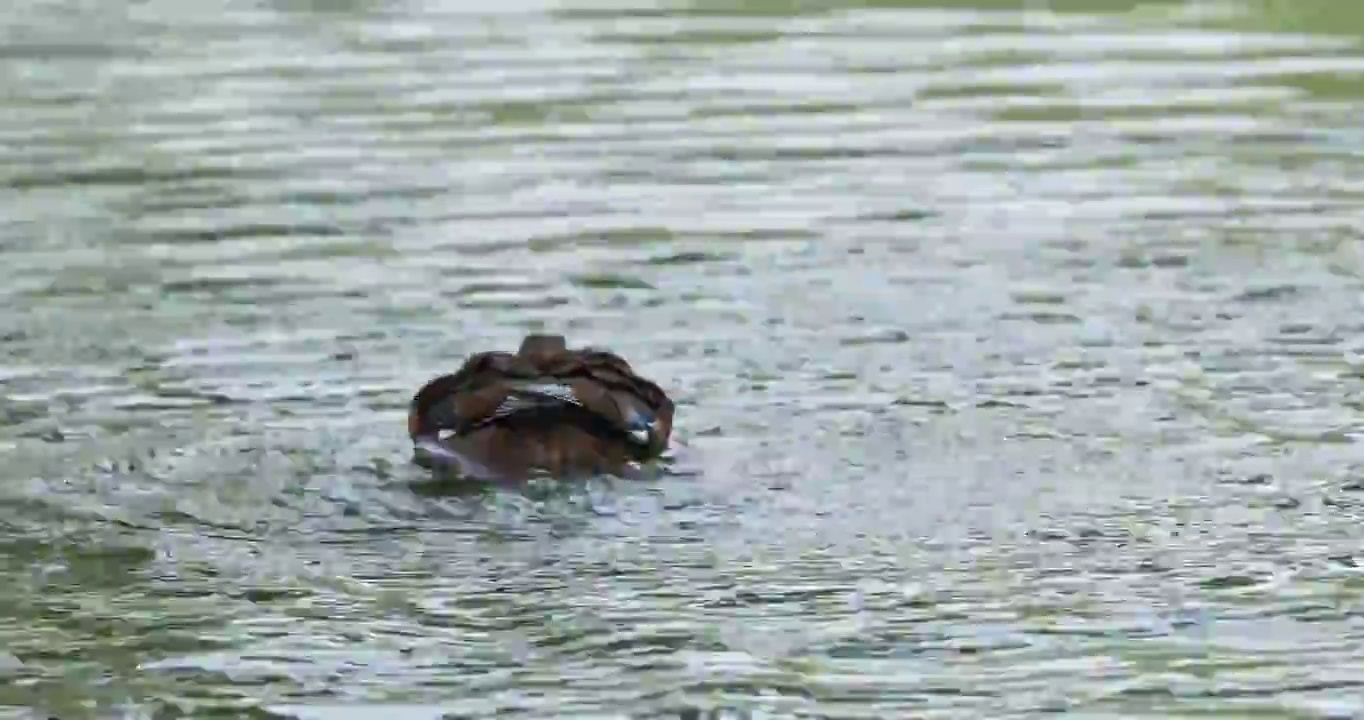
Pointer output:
x,y
568,412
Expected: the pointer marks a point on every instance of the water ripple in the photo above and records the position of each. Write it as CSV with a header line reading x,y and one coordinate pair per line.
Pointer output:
x,y
1015,355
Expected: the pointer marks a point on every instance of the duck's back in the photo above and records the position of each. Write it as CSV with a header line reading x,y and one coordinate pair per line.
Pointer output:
x,y
565,411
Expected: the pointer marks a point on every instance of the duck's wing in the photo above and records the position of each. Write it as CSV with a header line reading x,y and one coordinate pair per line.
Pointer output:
x,y
494,386
609,387
596,386
449,402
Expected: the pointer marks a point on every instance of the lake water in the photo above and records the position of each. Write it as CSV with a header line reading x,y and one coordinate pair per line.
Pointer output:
x,y
1019,357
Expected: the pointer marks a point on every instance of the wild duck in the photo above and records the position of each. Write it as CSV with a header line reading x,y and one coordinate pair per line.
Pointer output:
x,y
568,412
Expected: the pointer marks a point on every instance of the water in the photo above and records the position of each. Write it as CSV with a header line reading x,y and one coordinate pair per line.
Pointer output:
x,y
1018,357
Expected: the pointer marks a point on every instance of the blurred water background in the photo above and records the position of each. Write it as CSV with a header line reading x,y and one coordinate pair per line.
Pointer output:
x,y
1017,349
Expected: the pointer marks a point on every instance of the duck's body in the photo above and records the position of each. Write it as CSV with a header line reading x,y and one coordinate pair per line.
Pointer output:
x,y
565,411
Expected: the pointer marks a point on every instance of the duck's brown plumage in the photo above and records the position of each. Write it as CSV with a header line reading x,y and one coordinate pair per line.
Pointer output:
x,y
566,411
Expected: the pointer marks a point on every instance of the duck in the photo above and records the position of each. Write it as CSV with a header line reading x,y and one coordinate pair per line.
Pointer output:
x,y
568,412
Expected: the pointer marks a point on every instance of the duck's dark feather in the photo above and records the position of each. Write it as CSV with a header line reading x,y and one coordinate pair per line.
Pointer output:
x,y
544,406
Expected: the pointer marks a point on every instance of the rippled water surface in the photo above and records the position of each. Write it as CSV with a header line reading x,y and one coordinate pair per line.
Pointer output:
x,y
1018,355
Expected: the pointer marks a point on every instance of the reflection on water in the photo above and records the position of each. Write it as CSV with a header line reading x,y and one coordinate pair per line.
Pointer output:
x,y
1017,357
